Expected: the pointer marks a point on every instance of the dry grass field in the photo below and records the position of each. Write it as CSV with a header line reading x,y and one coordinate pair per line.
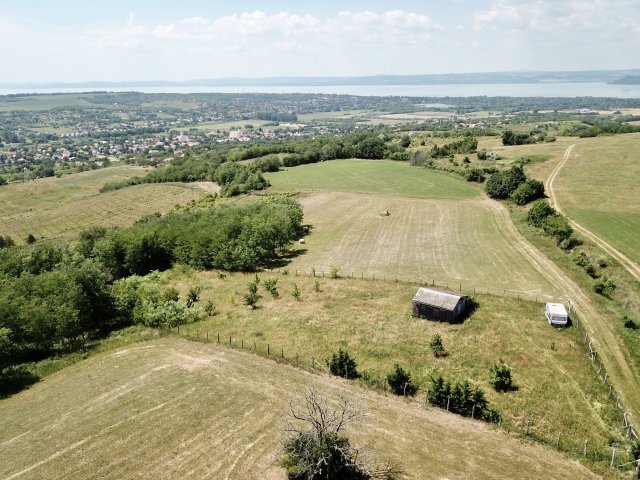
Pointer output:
x,y
174,409
422,239
558,390
438,227
54,208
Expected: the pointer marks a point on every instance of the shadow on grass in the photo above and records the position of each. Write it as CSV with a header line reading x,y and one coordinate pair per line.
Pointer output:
x,y
15,379
284,259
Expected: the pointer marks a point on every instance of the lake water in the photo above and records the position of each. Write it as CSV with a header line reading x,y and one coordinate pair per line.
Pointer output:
x,y
591,89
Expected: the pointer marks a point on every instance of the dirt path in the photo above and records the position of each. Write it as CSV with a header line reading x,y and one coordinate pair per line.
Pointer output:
x,y
619,366
629,265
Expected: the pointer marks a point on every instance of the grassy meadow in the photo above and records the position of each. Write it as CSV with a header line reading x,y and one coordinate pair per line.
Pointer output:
x,y
558,390
598,188
179,410
62,207
375,176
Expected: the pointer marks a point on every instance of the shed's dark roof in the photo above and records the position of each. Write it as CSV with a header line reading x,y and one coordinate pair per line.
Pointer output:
x,y
438,298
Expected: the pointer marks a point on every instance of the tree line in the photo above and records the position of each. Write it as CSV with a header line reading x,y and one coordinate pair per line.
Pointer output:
x,y
54,299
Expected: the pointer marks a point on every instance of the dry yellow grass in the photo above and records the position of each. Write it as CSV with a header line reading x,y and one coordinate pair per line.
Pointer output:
x,y
175,409
61,207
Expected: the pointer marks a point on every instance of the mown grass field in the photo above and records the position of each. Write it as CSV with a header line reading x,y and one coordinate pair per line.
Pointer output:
x,y
438,228
379,176
422,239
558,390
62,207
598,188
170,408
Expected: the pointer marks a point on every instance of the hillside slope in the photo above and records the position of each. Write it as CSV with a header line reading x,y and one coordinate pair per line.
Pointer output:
x,y
170,408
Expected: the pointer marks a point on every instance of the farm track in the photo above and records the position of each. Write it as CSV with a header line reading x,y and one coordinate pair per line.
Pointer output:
x,y
607,343
628,264
619,365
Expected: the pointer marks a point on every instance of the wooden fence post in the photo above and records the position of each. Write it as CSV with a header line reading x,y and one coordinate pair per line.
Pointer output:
x,y
586,444
268,349
558,441
218,338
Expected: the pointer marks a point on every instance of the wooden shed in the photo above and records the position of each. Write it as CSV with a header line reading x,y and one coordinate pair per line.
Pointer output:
x,y
440,305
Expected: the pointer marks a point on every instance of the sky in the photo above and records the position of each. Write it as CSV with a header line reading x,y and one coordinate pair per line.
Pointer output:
x,y
137,40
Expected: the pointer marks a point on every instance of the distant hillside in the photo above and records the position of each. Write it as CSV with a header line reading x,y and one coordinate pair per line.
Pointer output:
x,y
627,80
610,76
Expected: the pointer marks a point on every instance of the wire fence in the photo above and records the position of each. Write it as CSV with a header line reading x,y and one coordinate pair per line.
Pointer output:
x,y
526,427
452,284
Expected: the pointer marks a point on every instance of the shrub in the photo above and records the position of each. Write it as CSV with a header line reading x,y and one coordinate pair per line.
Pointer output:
x,y
474,175
167,314
629,322
582,260
251,297
270,286
30,239
400,382
210,308
501,377
193,295
334,272
343,365
557,226
527,192
437,347
604,286
501,185
295,293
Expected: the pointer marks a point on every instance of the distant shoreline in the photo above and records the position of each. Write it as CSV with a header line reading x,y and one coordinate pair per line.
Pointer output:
x,y
540,89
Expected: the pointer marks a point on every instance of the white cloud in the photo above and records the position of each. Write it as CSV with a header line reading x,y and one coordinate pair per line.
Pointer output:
x,y
508,34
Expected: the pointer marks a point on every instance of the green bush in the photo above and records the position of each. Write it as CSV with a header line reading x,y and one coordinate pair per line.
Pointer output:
x,y
400,382
502,184
343,365
437,347
604,286
500,378
527,192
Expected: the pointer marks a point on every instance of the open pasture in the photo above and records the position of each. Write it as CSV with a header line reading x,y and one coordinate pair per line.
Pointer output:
x,y
371,319
176,409
378,176
598,188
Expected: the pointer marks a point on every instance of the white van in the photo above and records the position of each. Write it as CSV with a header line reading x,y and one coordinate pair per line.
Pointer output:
x,y
556,314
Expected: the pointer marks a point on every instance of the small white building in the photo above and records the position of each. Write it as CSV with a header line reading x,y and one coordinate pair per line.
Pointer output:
x,y
556,314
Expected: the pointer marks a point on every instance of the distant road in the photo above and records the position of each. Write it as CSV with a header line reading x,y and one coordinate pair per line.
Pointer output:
x,y
629,265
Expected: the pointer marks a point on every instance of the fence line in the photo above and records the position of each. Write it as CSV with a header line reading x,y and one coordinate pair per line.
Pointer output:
x,y
560,442
458,285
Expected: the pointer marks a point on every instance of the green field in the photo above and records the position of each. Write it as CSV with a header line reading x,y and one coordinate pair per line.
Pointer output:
x,y
378,176
62,207
371,319
174,409
598,188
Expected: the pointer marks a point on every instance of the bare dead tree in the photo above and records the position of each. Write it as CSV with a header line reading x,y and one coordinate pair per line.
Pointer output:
x,y
317,447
